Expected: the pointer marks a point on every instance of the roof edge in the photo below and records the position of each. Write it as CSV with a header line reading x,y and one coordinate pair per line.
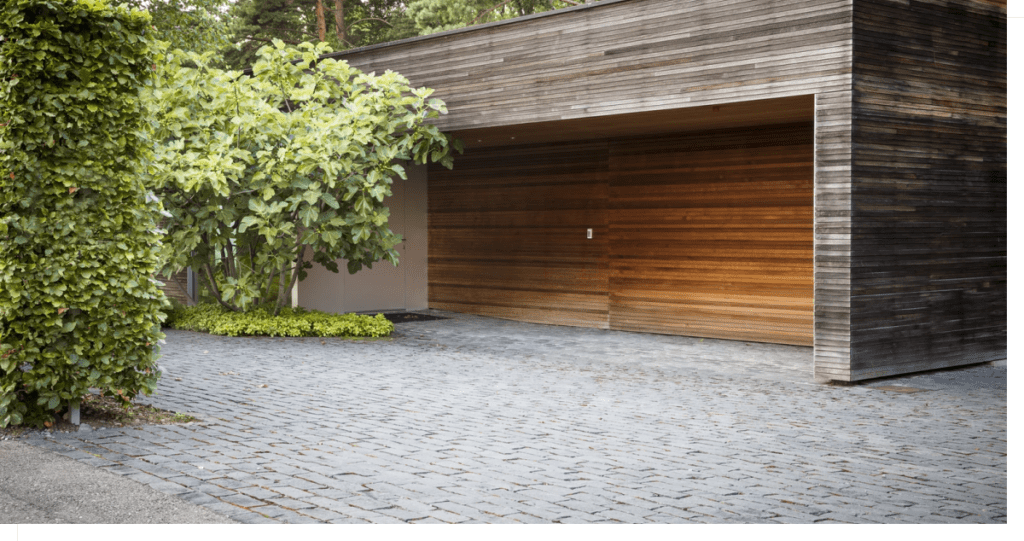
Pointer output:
x,y
474,28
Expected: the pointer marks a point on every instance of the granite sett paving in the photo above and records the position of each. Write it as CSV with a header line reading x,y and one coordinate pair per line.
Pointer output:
x,y
472,419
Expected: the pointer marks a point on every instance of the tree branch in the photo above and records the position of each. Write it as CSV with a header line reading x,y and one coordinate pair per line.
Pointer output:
x,y
251,38
213,288
485,12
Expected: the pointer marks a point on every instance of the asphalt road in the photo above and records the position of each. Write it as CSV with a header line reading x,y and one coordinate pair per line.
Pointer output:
x,y
38,486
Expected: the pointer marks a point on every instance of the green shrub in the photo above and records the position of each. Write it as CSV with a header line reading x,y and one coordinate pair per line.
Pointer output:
x,y
215,319
79,245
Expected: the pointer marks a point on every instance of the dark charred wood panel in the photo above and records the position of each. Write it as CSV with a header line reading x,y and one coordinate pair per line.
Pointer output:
x,y
928,277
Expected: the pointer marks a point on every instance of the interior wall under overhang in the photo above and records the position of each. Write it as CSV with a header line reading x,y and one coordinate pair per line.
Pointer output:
x,y
701,222
385,286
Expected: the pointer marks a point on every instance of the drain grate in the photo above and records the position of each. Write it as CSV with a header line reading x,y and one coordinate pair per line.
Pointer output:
x,y
409,317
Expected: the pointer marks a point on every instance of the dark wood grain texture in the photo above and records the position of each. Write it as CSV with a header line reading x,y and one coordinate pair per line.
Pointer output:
x,y
928,275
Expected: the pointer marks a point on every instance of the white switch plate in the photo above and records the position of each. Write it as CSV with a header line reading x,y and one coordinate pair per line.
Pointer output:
x,y
590,233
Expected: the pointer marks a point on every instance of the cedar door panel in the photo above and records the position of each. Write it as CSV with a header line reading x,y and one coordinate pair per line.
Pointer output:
x,y
711,234
507,234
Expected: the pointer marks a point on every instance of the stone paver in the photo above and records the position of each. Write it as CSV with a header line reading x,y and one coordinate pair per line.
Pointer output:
x,y
473,419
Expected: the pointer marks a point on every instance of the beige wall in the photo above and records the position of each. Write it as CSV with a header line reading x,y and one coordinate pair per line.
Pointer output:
x,y
384,287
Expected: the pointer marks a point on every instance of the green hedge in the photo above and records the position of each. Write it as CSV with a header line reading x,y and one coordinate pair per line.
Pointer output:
x,y
79,306
215,319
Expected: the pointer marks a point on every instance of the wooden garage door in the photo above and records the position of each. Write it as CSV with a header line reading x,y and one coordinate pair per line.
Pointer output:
x,y
704,234
711,234
506,234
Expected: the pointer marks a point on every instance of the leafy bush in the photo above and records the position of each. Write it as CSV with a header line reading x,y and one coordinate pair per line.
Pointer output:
x,y
79,307
216,319
266,175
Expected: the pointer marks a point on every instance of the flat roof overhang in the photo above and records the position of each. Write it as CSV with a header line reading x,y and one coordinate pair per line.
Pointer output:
x,y
788,110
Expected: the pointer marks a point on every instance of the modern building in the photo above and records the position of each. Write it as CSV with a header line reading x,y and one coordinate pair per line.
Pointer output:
x,y
827,173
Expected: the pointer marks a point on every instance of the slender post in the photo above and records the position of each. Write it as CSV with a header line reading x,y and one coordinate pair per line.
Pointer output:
x,y
76,417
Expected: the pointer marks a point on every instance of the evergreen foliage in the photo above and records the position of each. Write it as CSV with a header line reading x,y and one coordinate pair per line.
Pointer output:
x,y
79,307
433,16
256,23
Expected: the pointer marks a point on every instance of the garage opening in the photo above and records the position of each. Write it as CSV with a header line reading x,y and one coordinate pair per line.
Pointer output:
x,y
696,222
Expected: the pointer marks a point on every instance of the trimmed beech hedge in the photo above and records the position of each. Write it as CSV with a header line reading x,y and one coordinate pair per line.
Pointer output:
x,y
79,307
215,319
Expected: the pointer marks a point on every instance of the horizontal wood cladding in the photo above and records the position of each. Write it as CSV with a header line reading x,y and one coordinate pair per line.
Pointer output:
x,y
176,287
704,234
711,234
832,154
627,57
506,234
928,276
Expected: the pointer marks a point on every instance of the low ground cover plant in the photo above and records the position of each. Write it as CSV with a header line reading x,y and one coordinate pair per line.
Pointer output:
x,y
216,319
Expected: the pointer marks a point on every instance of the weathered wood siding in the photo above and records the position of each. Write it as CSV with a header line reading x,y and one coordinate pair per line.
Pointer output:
x,y
632,56
176,287
833,119
626,57
928,276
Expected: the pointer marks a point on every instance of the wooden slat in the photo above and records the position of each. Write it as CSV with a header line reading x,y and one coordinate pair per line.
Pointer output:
x,y
506,234
928,283
711,234
627,57
176,286
703,234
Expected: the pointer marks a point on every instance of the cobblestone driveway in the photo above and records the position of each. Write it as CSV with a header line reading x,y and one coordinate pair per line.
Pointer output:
x,y
479,420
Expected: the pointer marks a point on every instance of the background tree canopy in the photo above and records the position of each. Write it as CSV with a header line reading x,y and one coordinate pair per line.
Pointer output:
x,y
345,24
191,25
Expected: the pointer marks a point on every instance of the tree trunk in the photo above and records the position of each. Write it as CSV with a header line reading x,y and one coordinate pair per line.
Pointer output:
x,y
216,292
281,278
321,21
286,292
339,22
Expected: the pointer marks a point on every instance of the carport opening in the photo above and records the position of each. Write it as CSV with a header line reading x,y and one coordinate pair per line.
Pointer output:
x,y
695,222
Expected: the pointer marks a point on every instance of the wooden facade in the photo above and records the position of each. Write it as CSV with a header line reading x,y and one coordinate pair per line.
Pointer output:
x,y
176,287
928,279
879,225
712,234
705,233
